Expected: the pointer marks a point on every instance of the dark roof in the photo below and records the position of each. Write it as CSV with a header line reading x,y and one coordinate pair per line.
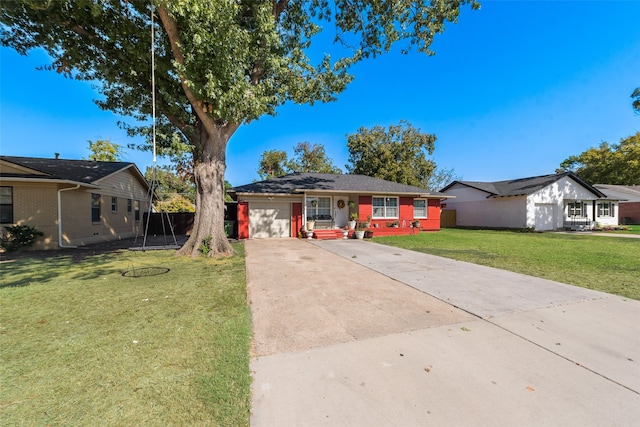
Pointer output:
x,y
301,182
80,171
523,186
626,193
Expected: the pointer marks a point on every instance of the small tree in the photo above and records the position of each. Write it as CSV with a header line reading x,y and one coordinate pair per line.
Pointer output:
x,y
636,100
273,163
103,150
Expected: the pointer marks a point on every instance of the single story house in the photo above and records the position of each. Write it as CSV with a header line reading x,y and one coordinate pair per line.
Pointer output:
x,y
283,206
73,202
629,199
549,202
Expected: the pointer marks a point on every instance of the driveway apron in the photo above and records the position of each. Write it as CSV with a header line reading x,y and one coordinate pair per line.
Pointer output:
x,y
359,334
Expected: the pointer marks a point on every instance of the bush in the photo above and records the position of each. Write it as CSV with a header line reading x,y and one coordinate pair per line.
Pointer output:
x,y
17,237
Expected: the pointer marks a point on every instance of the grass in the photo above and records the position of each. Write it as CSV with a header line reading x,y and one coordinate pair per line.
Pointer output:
x,y
82,345
607,264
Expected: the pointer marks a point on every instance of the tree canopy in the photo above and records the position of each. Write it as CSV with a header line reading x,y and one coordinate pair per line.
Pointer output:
x,y
616,164
103,150
218,65
635,95
398,153
307,158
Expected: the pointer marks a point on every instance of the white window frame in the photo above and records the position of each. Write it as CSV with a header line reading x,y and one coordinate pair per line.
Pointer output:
x,y
608,212
319,205
386,207
573,207
426,208
114,204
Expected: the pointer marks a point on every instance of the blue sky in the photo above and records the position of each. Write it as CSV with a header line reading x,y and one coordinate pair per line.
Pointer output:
x,y
514,89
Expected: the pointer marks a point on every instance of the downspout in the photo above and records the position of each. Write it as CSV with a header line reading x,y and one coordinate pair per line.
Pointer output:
x,y
60,244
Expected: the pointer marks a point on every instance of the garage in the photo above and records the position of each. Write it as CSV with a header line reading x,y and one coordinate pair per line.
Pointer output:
x,y
269,219
545,218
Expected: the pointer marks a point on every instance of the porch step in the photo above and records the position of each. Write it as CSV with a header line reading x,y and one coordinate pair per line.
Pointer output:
x,y
327,234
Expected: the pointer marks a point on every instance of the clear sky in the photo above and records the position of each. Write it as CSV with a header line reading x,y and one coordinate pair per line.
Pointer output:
x,y
514,89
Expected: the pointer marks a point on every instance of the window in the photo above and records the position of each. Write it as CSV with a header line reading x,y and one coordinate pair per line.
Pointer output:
x,y
385,207
419,208
136,207
605,209
114,204
129,206
319,207
95,207
6,205
576,209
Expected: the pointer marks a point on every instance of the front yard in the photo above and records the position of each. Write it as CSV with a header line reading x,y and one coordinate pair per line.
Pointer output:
x,y
83,345
608,264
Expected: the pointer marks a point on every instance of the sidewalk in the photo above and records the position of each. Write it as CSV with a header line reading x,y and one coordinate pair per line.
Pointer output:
x,y
340,339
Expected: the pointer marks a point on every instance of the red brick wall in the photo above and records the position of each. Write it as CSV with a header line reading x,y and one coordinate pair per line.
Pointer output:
x,y
629,210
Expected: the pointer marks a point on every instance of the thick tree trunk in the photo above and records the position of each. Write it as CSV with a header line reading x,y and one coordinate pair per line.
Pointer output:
x,y
208,224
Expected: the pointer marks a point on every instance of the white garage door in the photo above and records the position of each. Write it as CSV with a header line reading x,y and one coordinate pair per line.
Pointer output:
x,y
269,220
545,218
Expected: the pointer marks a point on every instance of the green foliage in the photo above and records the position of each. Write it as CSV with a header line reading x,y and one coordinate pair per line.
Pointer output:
x,y
18,237
103,150
169,185
616,164
440,178
307,158
397,154
175,203
272,164
205,246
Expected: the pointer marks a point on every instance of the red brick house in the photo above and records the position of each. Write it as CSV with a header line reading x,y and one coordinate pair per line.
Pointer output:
x,y
283,206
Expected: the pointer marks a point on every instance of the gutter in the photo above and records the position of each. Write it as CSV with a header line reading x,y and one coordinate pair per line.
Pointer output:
x,y
60,244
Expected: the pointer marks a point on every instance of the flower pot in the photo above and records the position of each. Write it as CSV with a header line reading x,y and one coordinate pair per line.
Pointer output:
x,y
359,234
311,225
352,225
345,233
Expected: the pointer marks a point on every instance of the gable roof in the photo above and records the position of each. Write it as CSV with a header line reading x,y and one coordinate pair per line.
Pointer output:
x,y
523,186
86,172
625,193
301,182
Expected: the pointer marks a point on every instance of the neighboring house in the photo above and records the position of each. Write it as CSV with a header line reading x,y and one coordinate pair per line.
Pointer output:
x,y
629,197
281,207
73,202
549,202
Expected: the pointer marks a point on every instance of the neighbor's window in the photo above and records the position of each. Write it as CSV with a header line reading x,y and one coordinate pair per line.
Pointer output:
x,y
419,208
95,207
136,208
6,205
576,209
129,206
385,207
605,209
114,204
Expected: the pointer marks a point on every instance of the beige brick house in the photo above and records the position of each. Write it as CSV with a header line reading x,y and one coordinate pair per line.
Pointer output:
x,y
73,202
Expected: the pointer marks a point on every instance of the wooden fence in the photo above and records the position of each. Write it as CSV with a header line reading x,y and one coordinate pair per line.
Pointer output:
x,y
448,219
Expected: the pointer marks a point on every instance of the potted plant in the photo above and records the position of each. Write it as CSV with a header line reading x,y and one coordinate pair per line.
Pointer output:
x,y
368,234
353,220
351,204
360,231
310,223
345,231
416,223
367,223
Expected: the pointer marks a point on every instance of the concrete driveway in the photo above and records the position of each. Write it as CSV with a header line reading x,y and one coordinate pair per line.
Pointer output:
x,y
353,333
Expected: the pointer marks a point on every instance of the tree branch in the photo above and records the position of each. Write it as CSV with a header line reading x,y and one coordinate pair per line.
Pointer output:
x,y
173,33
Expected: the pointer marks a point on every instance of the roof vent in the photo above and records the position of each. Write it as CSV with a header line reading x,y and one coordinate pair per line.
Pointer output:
x,y
57,155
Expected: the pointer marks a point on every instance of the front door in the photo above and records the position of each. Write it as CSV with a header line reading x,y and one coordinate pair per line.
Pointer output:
x,y
341,210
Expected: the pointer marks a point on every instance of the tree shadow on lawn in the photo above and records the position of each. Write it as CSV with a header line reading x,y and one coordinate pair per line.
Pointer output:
x,y
24,268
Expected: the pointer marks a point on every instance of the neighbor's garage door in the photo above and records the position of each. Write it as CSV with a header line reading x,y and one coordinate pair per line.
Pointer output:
x,y
269,220
545,218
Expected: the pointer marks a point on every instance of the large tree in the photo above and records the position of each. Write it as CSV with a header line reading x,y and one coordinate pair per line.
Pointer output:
x,y
218,64
103,150
617,164
307,157
398,153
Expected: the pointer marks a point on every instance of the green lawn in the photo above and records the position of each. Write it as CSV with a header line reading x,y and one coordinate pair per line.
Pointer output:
x,y
82,345
607,264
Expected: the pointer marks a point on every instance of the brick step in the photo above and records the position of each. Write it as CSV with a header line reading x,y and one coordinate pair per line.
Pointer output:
x,y
327,234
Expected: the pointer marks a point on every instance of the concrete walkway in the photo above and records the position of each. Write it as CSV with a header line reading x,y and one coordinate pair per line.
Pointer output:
x,y
352,333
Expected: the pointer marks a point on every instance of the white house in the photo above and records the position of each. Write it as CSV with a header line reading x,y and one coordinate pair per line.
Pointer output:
x,y
544,203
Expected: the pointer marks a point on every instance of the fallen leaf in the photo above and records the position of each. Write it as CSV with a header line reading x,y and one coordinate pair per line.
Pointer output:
x,y
529,388
428,369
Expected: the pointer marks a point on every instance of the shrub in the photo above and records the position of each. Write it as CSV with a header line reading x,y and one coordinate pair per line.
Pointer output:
x,y
17,237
